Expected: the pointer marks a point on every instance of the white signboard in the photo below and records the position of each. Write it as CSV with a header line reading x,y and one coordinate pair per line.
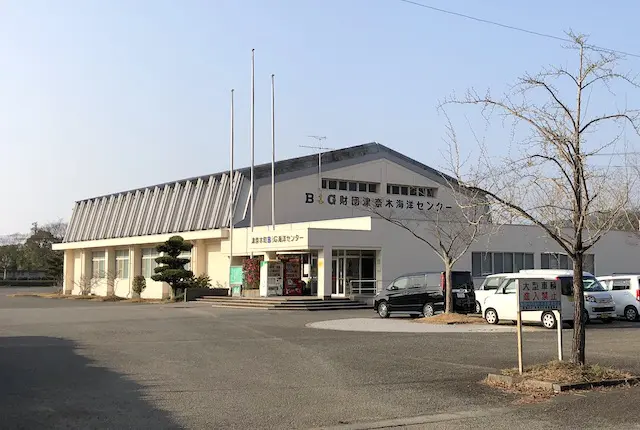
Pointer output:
x,y
275,240
539,294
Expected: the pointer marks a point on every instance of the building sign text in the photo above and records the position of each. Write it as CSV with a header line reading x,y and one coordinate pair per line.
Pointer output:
x,y
281,238
375,203
538,295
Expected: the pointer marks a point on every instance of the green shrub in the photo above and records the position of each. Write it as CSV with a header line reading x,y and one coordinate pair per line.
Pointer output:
x,y
202,281
139,284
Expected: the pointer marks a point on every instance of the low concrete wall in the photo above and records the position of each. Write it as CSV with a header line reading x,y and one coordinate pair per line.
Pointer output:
x,y
194,293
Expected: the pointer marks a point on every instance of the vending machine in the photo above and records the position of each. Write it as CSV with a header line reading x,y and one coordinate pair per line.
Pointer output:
x,y
271,280
292,277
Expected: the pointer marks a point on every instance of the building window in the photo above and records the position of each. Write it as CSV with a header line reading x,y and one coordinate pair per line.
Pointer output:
x,y
555,260
187,255
408,190
122,264
98,265
353,186
149,256
488,263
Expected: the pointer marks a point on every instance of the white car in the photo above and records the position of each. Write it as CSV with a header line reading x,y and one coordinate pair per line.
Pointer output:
x,y
625,290
598,302
502,305
489,286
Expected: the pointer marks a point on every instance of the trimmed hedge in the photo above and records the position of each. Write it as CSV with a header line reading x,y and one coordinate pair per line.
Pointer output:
x,y
27,283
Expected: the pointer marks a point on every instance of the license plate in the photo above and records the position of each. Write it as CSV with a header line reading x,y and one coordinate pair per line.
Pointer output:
x,y
460,295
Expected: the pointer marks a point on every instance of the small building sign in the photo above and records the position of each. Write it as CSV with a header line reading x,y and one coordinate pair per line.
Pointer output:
x,y
539,294
275,240
278,238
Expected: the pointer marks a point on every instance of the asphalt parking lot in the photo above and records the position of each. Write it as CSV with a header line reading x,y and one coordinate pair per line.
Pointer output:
x,y
76,364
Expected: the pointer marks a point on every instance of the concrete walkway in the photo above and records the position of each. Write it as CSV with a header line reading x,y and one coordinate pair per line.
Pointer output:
x,y
409,326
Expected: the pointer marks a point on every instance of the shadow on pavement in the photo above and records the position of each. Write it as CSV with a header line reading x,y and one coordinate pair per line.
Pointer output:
x,y
45,383
618,324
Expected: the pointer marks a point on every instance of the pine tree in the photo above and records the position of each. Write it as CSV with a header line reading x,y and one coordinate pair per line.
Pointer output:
x,y
171,268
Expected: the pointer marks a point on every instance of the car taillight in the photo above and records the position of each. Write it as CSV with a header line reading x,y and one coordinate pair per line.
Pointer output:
x,y
638,295
443,282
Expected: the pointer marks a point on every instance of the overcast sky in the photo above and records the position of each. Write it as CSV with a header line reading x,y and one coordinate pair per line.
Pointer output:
x,y
103,96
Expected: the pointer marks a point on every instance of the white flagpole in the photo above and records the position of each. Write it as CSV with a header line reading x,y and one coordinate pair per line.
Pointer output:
x,y
273,152
231,194
252,129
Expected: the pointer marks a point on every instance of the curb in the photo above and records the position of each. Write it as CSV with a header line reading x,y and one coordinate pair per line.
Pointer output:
x,y
558,387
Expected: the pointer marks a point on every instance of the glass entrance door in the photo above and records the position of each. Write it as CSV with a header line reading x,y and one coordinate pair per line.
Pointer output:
x,y
338,277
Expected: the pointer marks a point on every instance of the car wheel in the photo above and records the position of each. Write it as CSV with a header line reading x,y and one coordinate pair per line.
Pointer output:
x,y
491,316
631,313
428,310
383,309
478,308
549,320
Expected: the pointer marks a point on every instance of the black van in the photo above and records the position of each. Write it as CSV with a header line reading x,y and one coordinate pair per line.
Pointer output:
x,y
423,293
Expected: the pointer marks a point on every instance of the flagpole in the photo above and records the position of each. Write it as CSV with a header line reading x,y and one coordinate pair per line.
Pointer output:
x,y
252,130
231,194
273,152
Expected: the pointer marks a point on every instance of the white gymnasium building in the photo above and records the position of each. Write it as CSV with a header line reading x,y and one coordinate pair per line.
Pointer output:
x,y
322,234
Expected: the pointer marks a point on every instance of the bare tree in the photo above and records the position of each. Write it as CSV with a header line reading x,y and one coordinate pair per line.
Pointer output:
x,y
447,231
547,178
85,285
57,229
112,279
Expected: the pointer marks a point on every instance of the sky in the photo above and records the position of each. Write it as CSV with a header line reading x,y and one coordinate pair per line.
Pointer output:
x,y
104,96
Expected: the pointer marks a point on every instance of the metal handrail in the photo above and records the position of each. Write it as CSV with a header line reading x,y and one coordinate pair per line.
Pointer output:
x,y
366,287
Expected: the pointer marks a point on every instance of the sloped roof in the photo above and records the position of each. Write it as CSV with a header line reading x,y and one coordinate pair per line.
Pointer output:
x,y
202,202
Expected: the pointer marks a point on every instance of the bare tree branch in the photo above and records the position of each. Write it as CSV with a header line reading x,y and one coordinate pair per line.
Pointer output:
x,y
550,182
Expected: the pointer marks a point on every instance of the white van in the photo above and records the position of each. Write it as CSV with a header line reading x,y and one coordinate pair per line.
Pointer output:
x,y
489,286
503,304
598,302
625,290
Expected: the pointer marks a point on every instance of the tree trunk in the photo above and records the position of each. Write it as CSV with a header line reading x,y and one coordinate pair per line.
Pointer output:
x,y
448,295
579,340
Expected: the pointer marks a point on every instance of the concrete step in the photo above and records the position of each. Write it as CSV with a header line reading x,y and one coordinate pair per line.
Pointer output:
x,y
270,301
293,305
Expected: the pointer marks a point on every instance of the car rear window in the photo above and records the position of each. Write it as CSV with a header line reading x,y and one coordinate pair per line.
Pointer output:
x,y
462,279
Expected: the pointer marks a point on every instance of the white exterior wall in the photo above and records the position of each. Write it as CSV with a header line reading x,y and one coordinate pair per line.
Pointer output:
x,y
291,194
217,265
403,253
77,271
156,290
122,287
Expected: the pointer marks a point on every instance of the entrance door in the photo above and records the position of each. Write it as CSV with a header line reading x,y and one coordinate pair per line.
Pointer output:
x,y
338,277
